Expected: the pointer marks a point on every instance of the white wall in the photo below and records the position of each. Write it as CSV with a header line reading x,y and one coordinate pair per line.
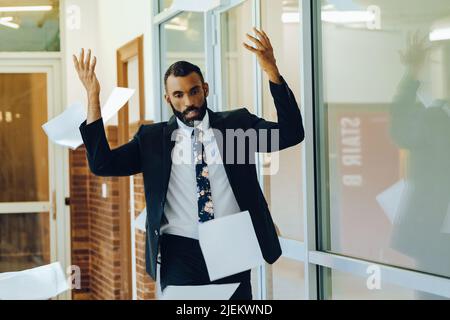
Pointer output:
x,y
120,22
73,40
106,26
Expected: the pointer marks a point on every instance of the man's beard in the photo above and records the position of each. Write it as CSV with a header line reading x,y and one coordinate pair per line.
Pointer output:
x,y
191,122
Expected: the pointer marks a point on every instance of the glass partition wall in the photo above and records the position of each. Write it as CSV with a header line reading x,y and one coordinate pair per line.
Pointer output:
x,y
383,127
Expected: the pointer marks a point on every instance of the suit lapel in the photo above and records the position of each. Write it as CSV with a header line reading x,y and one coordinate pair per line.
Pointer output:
x,y
168,146
217,123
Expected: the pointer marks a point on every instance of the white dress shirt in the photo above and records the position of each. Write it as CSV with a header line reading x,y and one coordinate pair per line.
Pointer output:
x,y
181,208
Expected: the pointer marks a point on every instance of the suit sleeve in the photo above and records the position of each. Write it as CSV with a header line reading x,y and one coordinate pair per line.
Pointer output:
x,y
407,114
123,161
288,131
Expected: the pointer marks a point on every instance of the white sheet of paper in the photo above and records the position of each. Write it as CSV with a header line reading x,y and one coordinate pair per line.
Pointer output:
x,y
197,5
115,102
39,283
424,97
207,292
390,199
64,128
139,222
229,245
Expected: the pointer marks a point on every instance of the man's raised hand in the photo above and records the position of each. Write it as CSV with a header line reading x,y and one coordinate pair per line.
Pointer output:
x,y
86,72
264,54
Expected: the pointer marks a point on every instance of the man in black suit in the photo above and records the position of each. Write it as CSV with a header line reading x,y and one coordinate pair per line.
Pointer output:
x,y
182,194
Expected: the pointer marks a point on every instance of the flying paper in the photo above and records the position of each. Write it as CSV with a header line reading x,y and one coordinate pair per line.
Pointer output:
x,y
64,129
207,292
41,283
139,222
390,199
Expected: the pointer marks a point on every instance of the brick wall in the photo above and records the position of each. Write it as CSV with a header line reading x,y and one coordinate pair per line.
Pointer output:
x,y
80,219
146,287
96,226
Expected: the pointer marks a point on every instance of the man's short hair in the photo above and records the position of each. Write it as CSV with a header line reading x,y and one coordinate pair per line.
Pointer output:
x,y
182,69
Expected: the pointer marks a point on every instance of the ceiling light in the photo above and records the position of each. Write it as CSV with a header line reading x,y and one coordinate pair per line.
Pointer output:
x,y
290,17
347,16
26,8
334,17
328,7
440,34
175,27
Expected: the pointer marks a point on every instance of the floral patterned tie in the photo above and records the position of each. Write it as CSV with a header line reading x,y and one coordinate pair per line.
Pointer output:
x,y
204,198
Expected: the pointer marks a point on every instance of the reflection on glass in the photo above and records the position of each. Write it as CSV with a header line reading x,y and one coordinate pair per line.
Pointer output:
x,y
24,241
288,280
420,124
35,29
345,286
283,180
182,38
387,121
23,144
237,63
164,4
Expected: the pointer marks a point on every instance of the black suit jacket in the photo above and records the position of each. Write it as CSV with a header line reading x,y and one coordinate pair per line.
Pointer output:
x,y
150,150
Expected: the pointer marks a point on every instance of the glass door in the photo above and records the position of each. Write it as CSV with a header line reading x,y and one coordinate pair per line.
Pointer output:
x,y
31,194
240,83
25,198
236,81
283,176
